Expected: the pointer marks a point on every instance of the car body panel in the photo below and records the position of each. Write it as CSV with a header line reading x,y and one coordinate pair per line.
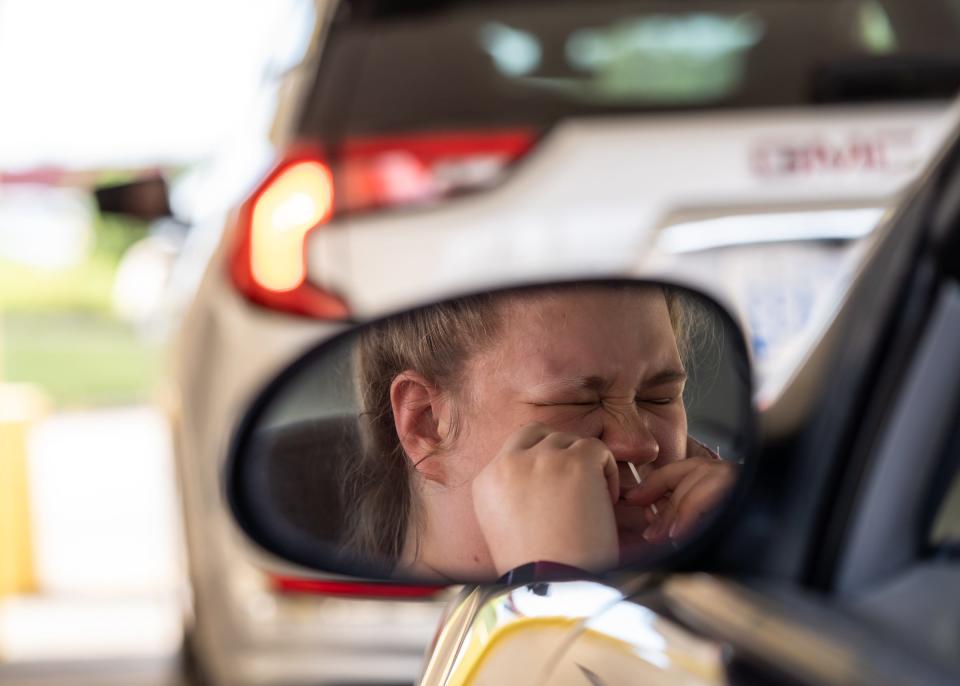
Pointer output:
x,y
592,194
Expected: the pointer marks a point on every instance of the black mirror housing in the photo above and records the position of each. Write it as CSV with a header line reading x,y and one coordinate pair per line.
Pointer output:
x,y
296,449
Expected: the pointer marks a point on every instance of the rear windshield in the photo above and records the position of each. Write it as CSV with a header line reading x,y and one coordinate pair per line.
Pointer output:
x,y
492,63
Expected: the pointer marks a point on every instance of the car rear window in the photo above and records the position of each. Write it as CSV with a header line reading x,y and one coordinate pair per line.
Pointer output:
x,y
489,63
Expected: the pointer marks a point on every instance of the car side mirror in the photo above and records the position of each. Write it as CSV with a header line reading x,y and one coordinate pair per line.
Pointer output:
x,y
582,427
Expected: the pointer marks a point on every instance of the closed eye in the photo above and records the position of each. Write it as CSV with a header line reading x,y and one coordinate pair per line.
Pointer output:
x,y
655,401
565,403
568,403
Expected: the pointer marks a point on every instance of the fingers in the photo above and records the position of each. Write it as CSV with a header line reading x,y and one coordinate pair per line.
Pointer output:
x,y
537,435
526,437
661,481
668,477
599,451
698,494
516,497
698,502
560,440
690,483
658,530
612,475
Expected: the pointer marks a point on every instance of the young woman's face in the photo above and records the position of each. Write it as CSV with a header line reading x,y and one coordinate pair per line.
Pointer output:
x,y
595,362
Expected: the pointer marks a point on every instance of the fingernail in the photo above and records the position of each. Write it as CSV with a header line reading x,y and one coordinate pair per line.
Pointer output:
x,y
654,510
673,529
649,533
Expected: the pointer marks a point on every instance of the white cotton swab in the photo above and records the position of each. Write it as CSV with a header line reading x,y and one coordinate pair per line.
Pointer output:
x,y
636,475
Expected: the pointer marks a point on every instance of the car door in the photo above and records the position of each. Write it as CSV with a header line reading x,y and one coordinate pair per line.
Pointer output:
x,y
888,553
854,516
868,521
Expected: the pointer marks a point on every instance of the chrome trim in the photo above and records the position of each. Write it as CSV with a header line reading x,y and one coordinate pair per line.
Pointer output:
x,y
744,227
454,628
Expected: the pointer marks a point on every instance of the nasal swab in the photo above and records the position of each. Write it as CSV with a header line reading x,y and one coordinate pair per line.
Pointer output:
x,y
636,475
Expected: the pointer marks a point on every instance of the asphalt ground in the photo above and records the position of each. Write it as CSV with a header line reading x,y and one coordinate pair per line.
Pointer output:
x,y
153,671
107,555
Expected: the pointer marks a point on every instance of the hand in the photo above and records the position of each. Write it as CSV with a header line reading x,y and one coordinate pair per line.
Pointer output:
x,y
682,493
549,496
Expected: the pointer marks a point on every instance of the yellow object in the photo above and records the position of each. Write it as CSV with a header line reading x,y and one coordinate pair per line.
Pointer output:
x,y
20,406
564,651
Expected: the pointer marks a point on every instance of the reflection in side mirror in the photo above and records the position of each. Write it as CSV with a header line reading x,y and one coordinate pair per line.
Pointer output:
x,y
580,426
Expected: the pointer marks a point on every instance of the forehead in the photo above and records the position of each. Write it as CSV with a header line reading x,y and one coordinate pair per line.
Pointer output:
x,y
586,331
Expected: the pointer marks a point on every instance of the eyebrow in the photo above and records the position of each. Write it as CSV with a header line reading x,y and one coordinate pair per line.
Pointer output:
x,y
666,376
599,384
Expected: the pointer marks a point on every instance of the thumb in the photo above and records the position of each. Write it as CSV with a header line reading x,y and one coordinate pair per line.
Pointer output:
x,y
612,475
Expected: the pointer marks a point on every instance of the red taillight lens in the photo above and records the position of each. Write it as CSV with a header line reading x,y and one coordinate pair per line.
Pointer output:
x,y
299,199
269,262
303,193
352,589
403,170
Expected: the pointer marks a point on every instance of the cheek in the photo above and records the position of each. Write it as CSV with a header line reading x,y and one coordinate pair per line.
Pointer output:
x,y
670,430
586,422
481,436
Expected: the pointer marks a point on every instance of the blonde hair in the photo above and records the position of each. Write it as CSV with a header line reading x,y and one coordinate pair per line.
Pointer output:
x,y
436,342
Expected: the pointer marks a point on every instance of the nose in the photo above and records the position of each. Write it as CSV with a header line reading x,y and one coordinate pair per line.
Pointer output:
x,y
630,439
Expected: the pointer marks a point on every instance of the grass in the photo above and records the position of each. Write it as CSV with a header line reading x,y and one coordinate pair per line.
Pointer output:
x,y
57,330
83,288
80,359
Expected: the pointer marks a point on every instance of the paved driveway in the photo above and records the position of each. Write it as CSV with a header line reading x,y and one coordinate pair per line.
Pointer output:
x,y
107,546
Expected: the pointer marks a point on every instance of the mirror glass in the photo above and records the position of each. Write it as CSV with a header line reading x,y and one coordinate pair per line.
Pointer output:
x,y
584,426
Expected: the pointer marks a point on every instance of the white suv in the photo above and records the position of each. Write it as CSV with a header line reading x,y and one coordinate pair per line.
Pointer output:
x,y
429,148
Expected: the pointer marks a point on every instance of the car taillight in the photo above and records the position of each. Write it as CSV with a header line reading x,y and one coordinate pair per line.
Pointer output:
x,y
299,199
392,171
305,191
352,589
269,261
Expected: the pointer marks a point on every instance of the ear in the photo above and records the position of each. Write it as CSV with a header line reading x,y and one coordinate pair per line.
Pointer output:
x,y
421,416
